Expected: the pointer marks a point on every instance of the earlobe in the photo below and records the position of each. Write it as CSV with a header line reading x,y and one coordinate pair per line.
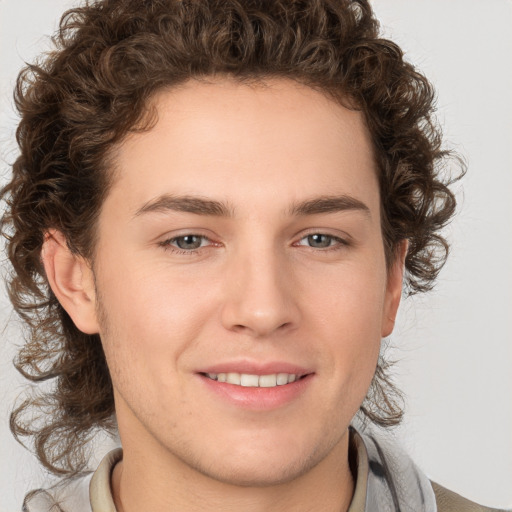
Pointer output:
x,y
394,289
71,280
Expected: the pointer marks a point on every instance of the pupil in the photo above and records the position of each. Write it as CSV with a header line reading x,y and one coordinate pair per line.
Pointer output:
x,y
188,242
319,241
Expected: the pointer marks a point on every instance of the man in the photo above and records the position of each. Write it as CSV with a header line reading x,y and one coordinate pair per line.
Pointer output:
x,y
209,221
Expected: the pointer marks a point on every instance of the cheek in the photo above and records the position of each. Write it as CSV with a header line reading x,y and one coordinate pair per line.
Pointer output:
x,y
149,314
350,299
348,313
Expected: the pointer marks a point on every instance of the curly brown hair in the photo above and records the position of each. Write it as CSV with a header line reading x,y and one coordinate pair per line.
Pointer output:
x,y
81,99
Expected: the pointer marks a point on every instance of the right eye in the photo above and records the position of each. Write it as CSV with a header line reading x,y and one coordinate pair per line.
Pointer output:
x,y
186,243
322,241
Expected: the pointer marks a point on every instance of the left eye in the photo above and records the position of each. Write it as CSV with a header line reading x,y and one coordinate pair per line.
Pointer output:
x,y
188,242
320,241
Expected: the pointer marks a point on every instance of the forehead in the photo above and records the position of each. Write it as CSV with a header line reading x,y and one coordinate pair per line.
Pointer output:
x,y
232,140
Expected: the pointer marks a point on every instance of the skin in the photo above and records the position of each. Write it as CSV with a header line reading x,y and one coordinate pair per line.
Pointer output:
x,y
256,290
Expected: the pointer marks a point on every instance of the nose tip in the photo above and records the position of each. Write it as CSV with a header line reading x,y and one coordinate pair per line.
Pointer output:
x,y
260,322
260,302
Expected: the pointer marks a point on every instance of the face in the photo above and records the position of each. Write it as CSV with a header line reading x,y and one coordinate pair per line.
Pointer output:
x,y
241,284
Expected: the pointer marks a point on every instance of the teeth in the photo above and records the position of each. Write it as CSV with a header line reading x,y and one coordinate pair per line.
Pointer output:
x,y
282,378
249,381
268,381
254,381
233,378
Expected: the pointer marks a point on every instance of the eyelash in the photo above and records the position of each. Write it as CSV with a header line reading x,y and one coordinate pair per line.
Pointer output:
x,y
339,243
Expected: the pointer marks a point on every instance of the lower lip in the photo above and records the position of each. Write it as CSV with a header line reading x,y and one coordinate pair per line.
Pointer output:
x,y
257,398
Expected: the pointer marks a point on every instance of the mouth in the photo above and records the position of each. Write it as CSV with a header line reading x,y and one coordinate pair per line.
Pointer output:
x,y
256,387
248,380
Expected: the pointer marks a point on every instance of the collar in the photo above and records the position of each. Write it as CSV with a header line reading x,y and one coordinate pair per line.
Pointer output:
x,y
391,480
100,492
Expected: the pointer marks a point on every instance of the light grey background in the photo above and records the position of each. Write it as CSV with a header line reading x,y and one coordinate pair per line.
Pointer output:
x,y
454,346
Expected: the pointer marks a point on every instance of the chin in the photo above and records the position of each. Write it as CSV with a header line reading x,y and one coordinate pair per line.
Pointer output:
x,y
259,473
256,467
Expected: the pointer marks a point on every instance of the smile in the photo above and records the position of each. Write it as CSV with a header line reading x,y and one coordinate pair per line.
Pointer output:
x,y
254,381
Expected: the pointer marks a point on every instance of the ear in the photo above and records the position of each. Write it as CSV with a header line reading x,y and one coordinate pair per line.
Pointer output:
x,y
394,289
72,281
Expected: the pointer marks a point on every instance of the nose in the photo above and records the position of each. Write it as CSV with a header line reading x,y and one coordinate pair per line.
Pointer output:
x,y
259,299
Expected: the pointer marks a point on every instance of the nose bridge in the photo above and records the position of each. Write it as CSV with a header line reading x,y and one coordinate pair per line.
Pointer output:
x,y
259,298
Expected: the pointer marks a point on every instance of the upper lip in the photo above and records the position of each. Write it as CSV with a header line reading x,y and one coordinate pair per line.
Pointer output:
x,y
256,368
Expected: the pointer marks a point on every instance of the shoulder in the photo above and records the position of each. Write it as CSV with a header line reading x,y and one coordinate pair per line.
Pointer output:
x,y
449,501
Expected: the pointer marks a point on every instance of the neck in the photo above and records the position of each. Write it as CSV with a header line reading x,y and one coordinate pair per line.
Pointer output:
x,y
156,480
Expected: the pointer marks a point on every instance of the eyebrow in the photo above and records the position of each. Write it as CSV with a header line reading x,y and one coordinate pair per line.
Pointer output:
x,y
186,204
202,206
329,204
